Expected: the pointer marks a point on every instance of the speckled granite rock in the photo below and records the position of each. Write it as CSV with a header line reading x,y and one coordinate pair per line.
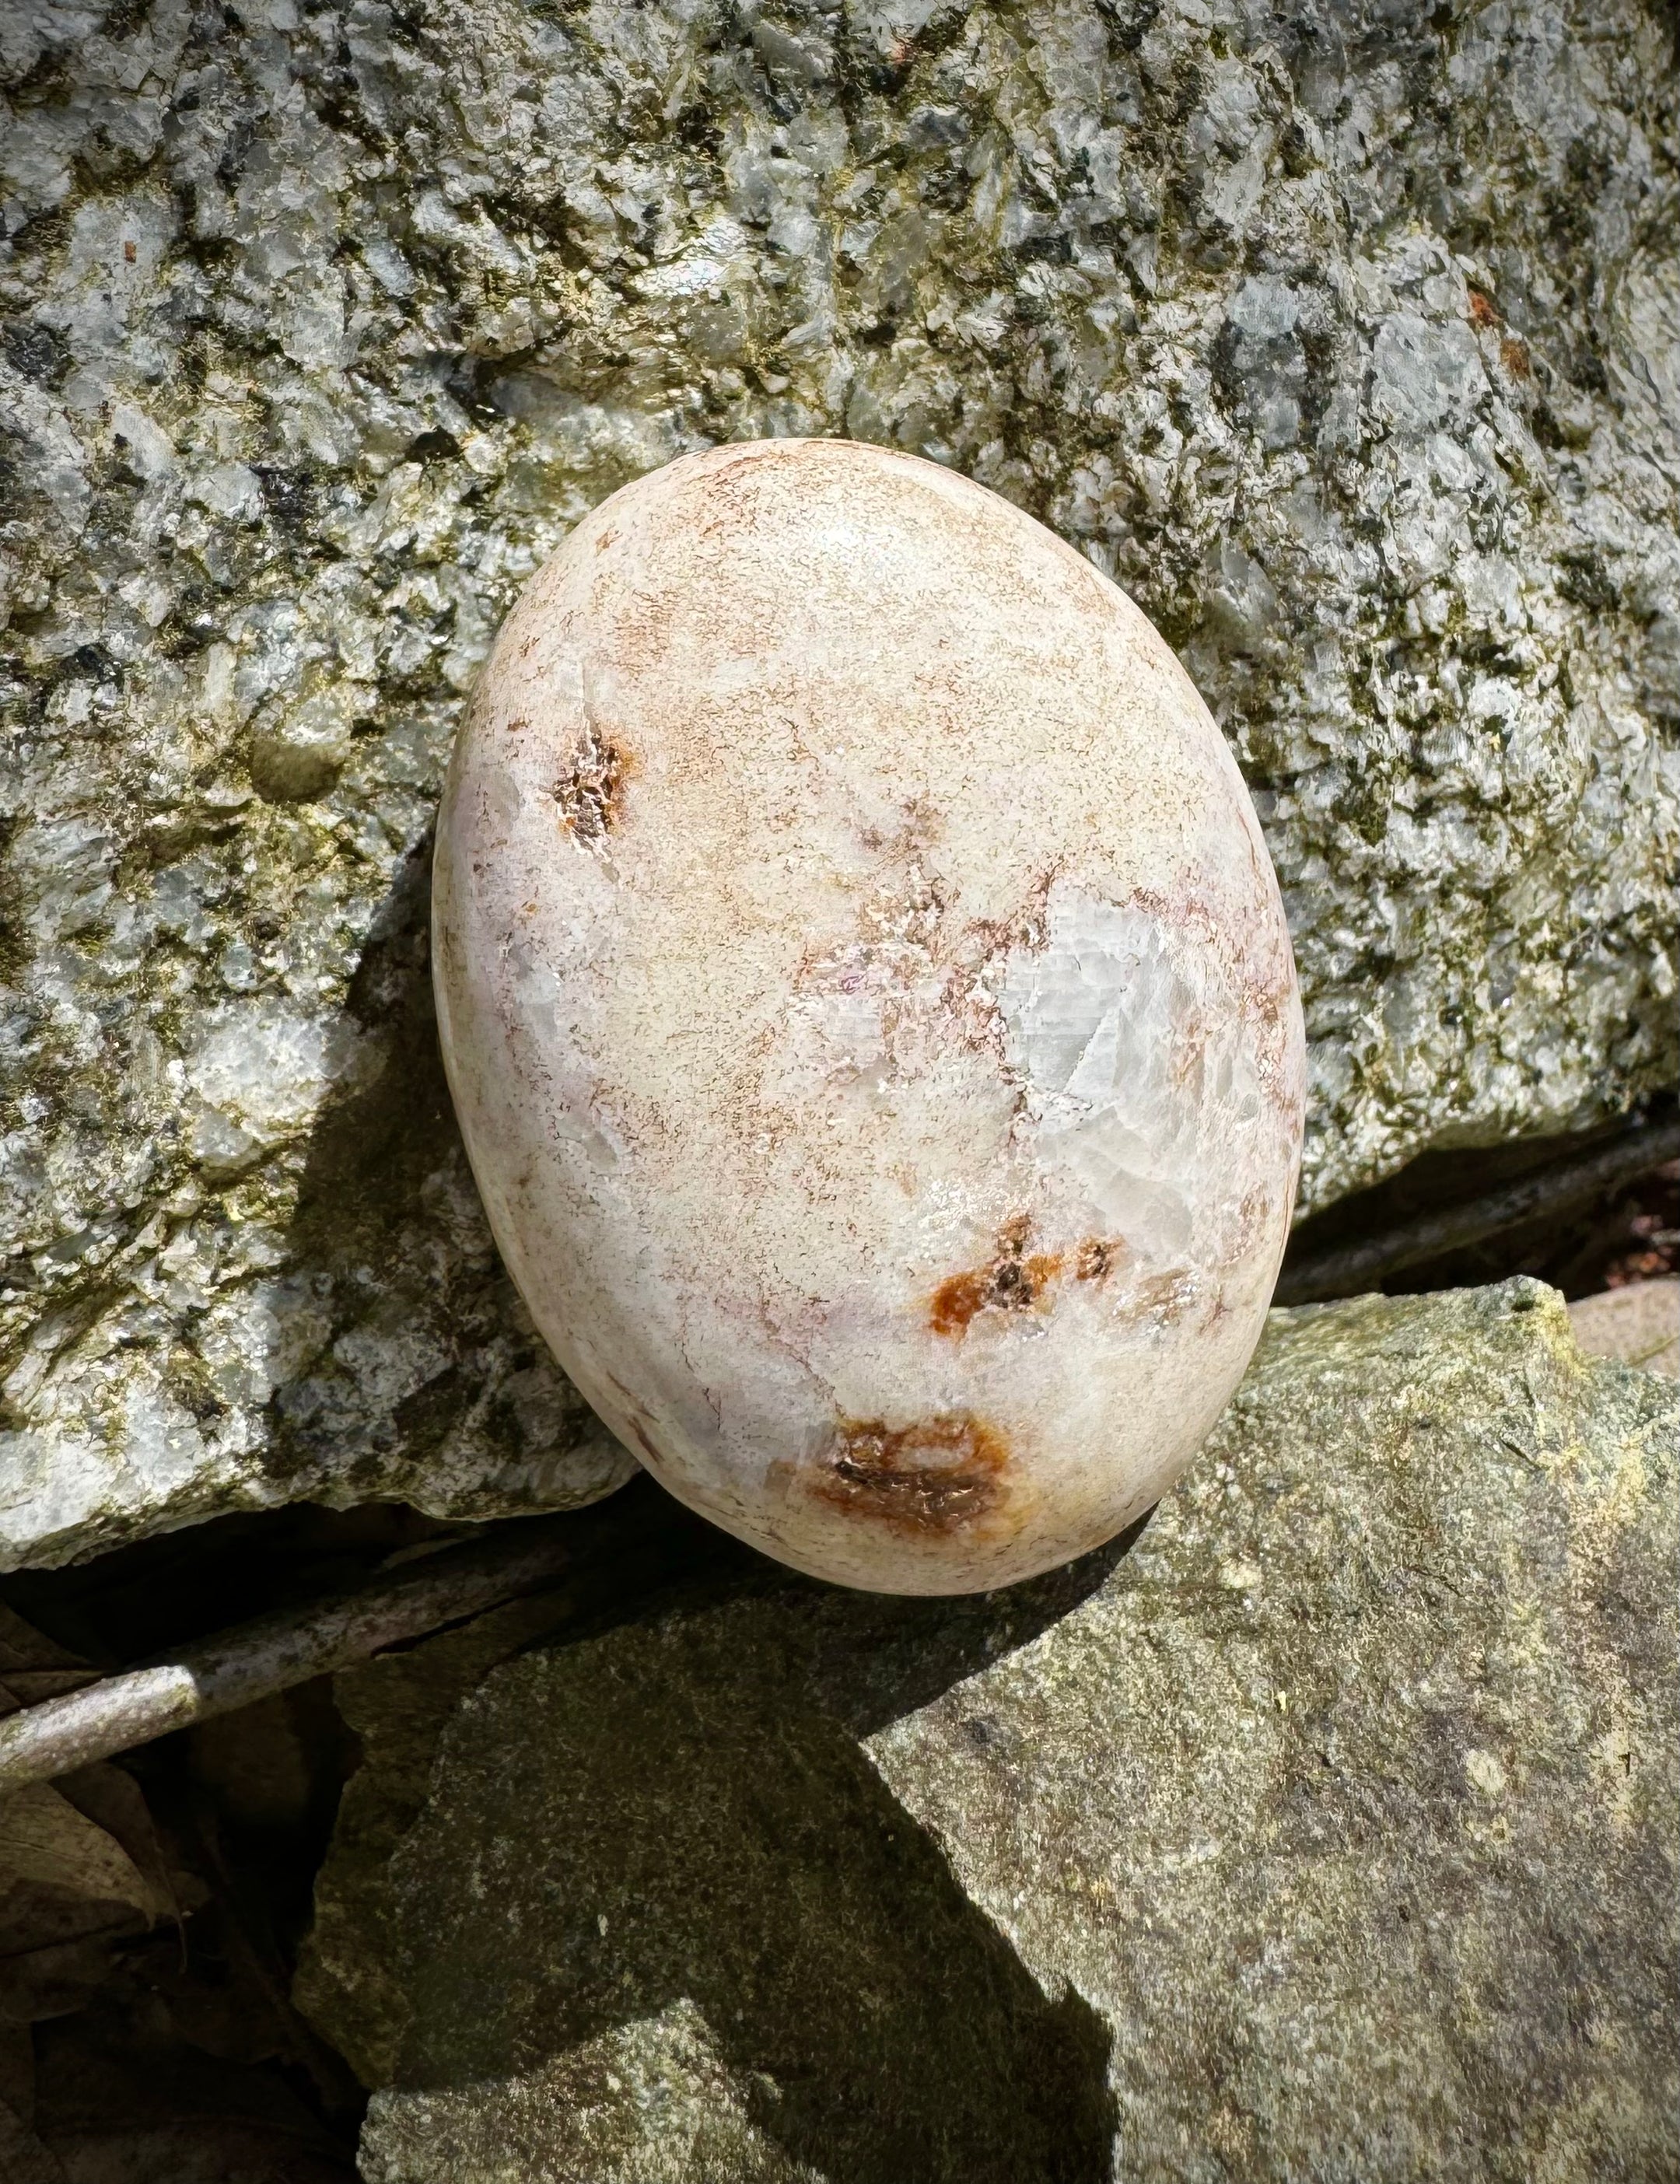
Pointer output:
x,y
1344,336
1330,1831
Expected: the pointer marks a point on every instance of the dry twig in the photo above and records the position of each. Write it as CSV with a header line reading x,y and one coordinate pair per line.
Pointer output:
x,y
215,1674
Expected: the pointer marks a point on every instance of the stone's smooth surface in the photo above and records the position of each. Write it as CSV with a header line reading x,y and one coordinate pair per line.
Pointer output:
x,y
1330,1831
1640,1324
869,1011
1343,336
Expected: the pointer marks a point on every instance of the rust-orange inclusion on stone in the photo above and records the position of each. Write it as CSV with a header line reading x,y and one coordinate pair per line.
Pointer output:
x,y
1012,1282
933,1477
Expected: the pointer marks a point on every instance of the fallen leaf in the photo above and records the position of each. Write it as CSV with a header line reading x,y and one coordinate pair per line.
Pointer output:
x,y
22,1646
112,1800
44,1839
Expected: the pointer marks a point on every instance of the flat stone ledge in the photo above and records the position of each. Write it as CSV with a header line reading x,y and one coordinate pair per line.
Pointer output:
x,y
1330,1829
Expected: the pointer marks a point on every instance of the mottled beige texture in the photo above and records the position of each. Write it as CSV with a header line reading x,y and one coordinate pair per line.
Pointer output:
x,y
870,1010
1640,1324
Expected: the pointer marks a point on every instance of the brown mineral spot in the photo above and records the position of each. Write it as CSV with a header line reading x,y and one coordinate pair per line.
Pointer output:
x,y
590,792
1170,1294
1012,1282
935,1477
1513,357
1481,309
956,1301
1253,1214
1214,1312
1095,1258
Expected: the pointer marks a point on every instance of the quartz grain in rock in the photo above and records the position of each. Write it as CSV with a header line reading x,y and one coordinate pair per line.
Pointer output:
x,y
1332,1830
1343,337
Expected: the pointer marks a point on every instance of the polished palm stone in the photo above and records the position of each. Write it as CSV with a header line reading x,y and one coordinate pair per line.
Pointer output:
x,y
870,1008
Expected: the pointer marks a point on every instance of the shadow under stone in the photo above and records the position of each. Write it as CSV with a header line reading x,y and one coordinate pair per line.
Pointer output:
x,y
412,1367
677,1816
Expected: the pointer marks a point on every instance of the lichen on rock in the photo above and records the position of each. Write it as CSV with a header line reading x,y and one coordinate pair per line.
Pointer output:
x,y
1344,338
1329,1829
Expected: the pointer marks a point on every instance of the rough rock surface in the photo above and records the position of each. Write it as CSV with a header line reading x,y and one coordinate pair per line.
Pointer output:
x,y
1332,1830
1343,334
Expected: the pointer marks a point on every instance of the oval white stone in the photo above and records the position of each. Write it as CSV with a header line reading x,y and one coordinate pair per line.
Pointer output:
x,y
869,1007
